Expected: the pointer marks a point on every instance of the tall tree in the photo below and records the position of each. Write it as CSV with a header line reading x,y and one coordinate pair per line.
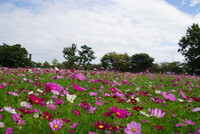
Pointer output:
x,y
55,62
13,56
69,53
140,62
190,47
86,55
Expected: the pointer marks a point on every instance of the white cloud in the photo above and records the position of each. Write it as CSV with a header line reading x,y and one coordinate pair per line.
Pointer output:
x,y
194,2
46,27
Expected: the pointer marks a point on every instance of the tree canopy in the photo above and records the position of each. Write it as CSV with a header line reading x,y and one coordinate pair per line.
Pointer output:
x,y
116,61
190,47
140,62
82,58
13,56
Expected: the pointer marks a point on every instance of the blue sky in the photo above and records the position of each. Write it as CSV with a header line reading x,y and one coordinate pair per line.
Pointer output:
x,y
186,6
45,27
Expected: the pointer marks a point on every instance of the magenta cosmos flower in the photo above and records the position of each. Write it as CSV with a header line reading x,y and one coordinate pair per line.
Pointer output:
x,y
54,86
56,124
36,100
78,88
133,128
157,112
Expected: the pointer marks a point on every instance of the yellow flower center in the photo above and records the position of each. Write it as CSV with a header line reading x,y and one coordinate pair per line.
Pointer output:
x,y
133,130
117,127
36,101
118,113
47,117
55,126
101,126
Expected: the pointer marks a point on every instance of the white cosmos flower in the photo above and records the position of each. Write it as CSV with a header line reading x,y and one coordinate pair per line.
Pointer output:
x,y
181,100
10,110
31,92
144,113
158,92
36,115
71,98
39,90
2,125
49,102
23,104
55,92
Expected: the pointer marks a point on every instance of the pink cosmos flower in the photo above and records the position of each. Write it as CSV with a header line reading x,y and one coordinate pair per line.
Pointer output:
x,y
159,127
1,116
9,130
59,101
92,133
93,94
180,125
56,124
16,117
170,96
74,125
157,112
183,95
92,109
20,122
100,103
51,106
76,112
133,128
189,122
78,88
81,77
54,86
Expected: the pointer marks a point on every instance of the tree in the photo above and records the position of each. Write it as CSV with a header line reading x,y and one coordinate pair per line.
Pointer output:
x,y
190,47
86,55
13,56
70,55
116,61
140,62
55,62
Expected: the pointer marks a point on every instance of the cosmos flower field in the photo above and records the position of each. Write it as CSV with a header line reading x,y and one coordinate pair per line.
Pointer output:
x,y
60,101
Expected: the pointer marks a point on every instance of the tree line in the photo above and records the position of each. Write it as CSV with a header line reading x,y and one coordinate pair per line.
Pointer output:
x,y
189,46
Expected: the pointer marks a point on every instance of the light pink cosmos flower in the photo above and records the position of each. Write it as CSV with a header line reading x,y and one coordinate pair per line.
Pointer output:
x,y
170,96
56,124
157,112
197,109
189,122
81,77
133,128
2,125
